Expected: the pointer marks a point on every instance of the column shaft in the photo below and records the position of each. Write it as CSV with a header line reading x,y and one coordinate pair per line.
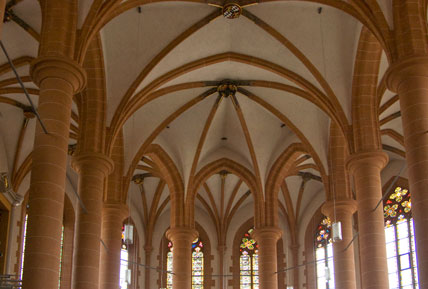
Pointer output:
x,y
410,79
267,239
111,235
182,239
344,263
148,249
92,169
58,79
366,168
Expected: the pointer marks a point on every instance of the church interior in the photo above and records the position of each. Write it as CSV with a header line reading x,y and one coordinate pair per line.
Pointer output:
x,y
213,144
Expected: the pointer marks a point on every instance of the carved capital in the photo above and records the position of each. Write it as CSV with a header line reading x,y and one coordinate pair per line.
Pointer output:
x,y
185,234
96,161
265,233
378,159
58,67
406,69
341,207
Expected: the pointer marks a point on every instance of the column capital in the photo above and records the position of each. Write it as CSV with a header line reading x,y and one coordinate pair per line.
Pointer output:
x,y
374,158
58,67
119,209
97,161
182,233
267,233
405,69
348,206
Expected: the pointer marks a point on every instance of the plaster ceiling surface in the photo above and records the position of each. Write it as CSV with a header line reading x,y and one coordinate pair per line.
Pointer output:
x,y
132,39
331,43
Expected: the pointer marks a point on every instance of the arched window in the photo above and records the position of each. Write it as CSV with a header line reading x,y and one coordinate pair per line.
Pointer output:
x,y
324,255
249,262
400,241
197,265
124,260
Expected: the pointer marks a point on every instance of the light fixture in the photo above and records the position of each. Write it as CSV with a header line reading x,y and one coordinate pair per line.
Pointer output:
x,y
128,234
337,231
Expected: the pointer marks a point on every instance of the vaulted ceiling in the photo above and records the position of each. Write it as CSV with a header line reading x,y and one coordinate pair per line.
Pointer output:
x,y
164,63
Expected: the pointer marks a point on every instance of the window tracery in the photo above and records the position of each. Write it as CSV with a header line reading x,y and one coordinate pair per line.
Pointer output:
x,y
400,241
324,255
249,262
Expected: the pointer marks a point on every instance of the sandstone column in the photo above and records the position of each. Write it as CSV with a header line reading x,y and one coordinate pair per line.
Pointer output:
x,y
58,78
344,264
365,169
111,235
221,248
267,238
409,78
92,169
182,238
148,249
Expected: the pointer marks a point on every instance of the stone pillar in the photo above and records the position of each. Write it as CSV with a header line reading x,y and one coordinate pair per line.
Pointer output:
x,y
111,234
148,249
344,263
182,238
365,169
409,78
59,79
266,238
296,272
221,251
92,169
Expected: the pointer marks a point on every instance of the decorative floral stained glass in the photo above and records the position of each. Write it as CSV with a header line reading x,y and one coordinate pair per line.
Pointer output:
x,y
197,265
324,255
400,243
248,261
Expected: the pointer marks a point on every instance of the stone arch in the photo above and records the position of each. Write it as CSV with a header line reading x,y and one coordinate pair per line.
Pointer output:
x,y
94,23
172,177
235,168
276,175
365,120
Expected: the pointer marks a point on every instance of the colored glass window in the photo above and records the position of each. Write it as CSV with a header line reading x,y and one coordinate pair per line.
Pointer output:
x,y
249,262
324,255
400,241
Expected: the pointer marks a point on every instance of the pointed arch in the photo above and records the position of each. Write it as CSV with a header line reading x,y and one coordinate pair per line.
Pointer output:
x,y
239,170
275,177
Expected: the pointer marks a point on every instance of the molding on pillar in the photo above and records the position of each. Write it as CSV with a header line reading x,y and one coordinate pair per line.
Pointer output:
x,y
122,209
58,67
405,69
347,206
260,233
374,158
180,233
97,161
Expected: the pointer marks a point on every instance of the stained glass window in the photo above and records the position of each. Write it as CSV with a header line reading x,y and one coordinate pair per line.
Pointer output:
x,y
197,265
249,262
324,255
400,241
124,258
